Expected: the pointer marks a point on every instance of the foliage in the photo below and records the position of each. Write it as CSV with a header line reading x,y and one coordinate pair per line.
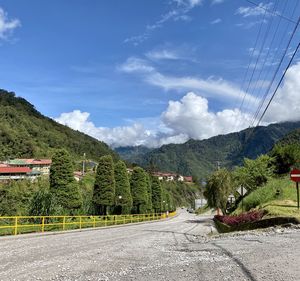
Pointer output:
x,y
254,173
122,188
242,218
285,156
156,195
139,188
15,197
104,187
41,203
63,187
218,188
24,132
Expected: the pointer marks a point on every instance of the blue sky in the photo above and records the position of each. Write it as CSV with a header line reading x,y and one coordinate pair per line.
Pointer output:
x,y
141,72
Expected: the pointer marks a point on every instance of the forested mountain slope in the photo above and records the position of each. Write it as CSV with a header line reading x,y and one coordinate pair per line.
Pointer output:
x,y
24,132
199,157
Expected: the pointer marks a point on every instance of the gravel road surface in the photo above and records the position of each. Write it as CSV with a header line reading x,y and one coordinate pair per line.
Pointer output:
x,y
177,249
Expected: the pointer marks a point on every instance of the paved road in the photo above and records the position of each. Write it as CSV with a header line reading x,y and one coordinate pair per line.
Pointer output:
x,y
178,249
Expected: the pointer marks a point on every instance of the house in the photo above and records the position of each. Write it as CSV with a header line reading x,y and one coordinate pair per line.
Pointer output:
x,y
78,175
188,179
17,173
37,165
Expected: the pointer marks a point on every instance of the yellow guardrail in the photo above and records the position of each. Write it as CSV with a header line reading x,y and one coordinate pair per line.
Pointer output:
x,y
28,224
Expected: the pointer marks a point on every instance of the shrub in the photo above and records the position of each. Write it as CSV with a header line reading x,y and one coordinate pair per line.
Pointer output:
x,y
241,219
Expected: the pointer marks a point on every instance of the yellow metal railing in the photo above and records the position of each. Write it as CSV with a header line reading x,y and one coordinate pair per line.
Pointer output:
x,y
28,224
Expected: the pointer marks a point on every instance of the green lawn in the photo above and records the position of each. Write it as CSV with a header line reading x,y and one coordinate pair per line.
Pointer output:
x,y
278,197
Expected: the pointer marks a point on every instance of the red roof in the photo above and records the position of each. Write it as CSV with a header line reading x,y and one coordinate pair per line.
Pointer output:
x,y
14,170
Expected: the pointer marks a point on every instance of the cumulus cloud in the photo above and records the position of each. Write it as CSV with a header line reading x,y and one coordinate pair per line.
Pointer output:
x,y
286,103
191,116
7,26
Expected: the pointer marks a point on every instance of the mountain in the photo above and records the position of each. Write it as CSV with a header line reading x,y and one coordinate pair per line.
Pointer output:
x,y
291,138
132,153
199,157
25,132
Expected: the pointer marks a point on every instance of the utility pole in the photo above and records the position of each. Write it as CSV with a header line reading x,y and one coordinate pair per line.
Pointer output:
x,y
83,165
218,164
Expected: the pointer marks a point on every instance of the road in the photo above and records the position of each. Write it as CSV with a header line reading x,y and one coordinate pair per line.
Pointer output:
x,y
177,249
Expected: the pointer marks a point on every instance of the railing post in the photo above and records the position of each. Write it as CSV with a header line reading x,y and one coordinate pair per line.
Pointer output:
x,y
16,225
130,218
64,223
43,224
105,221
124,220
80,222
94,223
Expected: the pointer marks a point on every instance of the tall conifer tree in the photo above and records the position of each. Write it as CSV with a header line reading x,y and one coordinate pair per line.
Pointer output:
x,y
139,188
104,187
156,195
123,193
63,187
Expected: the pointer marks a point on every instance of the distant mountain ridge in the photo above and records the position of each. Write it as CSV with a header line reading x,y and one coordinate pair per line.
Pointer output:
x,y
25,132
199,157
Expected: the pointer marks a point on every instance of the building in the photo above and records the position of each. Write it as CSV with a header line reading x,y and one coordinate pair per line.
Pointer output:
x,y
172,177
17,173
37,165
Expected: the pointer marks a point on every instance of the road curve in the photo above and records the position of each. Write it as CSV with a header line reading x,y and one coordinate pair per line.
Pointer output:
x,y
177,249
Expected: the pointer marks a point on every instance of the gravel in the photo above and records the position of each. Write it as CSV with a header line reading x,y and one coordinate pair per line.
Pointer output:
x,y
182,248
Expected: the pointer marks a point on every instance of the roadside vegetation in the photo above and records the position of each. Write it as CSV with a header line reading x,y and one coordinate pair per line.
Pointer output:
x,y
269,189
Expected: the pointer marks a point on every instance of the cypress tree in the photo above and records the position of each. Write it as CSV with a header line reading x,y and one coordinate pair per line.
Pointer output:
x,y
149,194
63,187
156,195
123,193
104,187
139,188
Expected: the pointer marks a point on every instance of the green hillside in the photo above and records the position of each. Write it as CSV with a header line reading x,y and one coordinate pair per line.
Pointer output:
x,y
24,132
199,157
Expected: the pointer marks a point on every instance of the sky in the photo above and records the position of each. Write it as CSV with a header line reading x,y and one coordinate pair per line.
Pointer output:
x,y
141,72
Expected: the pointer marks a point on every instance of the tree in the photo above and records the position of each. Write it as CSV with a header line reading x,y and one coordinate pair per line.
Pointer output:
x,y
218,188
254,173
285,156
139,188
104,187
41,203
63,187
149,207
156,195
123,193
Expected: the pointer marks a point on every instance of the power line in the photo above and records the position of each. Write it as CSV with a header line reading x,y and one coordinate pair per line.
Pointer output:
x,y
276,72
280,81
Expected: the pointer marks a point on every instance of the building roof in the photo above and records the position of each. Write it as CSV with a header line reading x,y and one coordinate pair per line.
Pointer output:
x,y
14,170
24,162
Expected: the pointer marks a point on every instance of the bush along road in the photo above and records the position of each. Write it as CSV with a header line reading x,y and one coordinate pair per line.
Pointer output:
x,y
178,249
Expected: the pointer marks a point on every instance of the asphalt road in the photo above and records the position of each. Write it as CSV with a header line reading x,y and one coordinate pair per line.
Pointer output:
x,y
177,249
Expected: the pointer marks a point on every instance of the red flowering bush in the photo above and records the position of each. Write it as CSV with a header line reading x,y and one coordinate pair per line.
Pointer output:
x,y
240,219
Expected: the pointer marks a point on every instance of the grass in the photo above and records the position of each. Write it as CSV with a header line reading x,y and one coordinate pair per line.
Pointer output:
x,y
278,197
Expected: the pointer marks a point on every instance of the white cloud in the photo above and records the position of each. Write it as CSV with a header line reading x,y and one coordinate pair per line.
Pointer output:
x,y
191,116
286,103
179,12
252,11
211,87
7,26
216,21
134,64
